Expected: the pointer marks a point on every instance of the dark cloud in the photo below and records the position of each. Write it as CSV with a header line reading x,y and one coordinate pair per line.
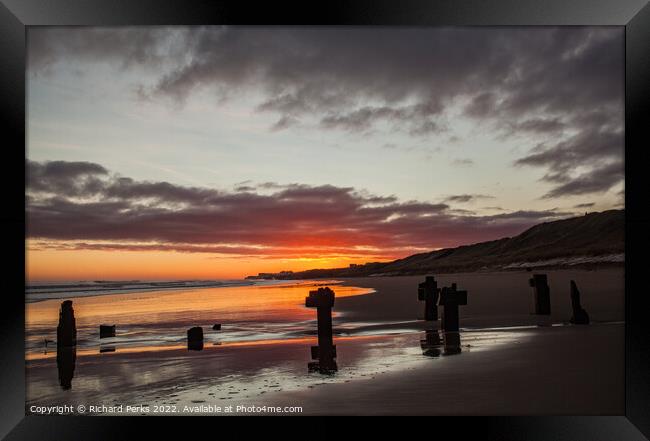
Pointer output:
x,y
232,251
63,177
416,119
124,46
550,126
559,86
585,205
597,180
482,105
467,197
527,214
584,148
590,161
123,213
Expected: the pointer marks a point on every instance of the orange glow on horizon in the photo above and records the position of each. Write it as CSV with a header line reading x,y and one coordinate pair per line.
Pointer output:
x,y
53,265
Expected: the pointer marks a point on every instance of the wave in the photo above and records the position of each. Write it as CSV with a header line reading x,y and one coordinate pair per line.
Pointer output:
x,y
48,290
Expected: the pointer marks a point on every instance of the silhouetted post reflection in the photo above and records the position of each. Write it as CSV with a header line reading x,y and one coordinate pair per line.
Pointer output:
x,y
323,300
434,341
580,316
428,292
431,343
452,343
65,362
66,331
542,294
195,339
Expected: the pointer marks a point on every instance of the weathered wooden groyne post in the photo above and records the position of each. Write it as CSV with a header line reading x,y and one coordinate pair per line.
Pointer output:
x,y
451,298
66,331
106,331
323,300
542,294
66,341
195,338
428,293
580,316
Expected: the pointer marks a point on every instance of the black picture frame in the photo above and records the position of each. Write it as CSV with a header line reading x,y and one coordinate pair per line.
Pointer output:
x,y
634,15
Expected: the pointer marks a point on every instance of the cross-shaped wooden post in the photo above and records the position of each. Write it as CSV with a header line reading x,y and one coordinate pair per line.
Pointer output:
x,y
428,292
451,298
323,300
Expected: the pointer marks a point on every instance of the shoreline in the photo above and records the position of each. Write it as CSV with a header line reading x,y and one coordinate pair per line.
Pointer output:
x,y
378,305
79,293
507,353
161,318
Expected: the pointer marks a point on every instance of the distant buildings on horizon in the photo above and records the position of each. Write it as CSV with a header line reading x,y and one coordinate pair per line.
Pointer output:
x,y
282,275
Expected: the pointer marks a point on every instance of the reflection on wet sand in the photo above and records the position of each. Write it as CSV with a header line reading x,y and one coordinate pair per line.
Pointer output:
x,y
66,358
435,341
194,345
452,343
431,343
254,370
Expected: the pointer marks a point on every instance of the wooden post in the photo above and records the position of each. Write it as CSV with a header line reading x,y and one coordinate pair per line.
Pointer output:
x,y
451,298
66,331
195,338
428,292
580,316
542,294
106,331
323,300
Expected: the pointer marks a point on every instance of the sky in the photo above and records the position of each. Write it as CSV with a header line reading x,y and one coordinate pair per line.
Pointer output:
x,y
220,152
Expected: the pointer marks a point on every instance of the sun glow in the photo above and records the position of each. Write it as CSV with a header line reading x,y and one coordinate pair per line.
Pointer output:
x,y
56,264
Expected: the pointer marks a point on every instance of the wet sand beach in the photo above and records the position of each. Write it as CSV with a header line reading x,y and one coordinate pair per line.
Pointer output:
x,y
547,371
494,298
511,362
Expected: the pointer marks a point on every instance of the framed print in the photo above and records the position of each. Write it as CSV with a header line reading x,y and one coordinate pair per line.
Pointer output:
x,y
419,209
